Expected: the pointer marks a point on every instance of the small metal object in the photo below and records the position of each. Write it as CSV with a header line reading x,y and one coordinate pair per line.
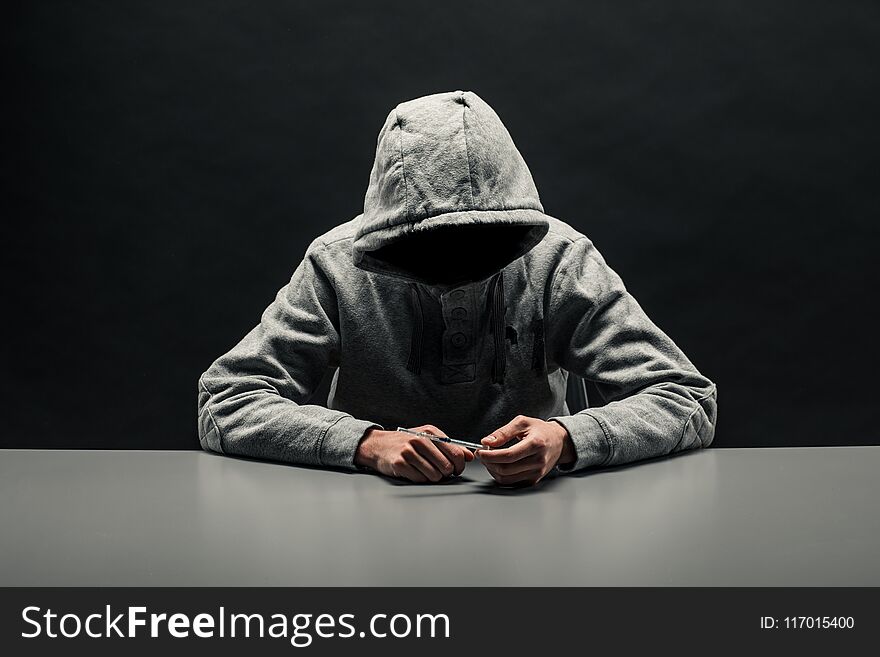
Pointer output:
x,y
443,439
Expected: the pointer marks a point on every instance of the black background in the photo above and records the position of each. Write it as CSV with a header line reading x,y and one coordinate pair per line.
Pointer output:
x,y
166,164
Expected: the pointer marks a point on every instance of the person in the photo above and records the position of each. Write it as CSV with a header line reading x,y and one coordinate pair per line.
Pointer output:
x,y
453,305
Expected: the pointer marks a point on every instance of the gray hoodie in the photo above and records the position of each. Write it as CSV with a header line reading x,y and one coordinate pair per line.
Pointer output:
x,y
452,300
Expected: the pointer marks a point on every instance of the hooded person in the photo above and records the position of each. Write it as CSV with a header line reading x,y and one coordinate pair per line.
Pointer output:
x,y
455,304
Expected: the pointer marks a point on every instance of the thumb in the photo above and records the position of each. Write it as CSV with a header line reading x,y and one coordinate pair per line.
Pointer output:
x,y
503,434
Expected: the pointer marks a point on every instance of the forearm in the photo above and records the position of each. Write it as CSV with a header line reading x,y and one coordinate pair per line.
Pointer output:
x,y
253,399
259,423
663,419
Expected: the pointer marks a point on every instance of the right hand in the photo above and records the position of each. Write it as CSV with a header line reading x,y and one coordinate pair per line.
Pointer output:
x,y
418,459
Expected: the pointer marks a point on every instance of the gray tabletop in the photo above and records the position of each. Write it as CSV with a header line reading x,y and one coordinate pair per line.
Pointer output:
x,y
728,517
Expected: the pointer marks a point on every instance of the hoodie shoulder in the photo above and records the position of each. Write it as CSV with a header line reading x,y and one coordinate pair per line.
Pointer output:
x,y
561,231
335,243
344,232
331,251
555,245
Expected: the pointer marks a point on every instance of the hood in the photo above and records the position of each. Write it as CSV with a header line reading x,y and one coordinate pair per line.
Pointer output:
x,y
450,198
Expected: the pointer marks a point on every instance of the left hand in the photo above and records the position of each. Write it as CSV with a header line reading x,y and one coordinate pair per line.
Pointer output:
x,y
541,447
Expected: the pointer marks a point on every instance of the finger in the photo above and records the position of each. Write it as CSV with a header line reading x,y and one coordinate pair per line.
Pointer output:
x,y
508,432
431,452
496,471
421,464
531,477
519,451
529,464
451,453
429,428
455,454
406,471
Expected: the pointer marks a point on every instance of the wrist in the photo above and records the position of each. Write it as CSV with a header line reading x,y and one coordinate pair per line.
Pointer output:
x,y
568,455
366,454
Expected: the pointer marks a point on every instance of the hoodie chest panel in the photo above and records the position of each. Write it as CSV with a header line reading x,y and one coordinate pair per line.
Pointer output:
x,y
459,351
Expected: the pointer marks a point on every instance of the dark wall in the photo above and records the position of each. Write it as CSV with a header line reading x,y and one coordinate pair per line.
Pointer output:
x,y
166,164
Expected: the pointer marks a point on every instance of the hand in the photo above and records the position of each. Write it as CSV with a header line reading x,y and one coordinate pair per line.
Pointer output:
x,y
418,459
542,446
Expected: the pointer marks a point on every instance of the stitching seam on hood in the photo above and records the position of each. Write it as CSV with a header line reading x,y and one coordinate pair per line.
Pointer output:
x,y
402,167
467,150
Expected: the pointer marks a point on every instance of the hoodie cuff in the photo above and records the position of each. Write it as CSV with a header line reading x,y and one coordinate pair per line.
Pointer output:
x,y
341,440
591,444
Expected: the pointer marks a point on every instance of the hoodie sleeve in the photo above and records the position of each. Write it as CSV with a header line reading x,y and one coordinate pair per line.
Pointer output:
x,y
655,400
251,400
